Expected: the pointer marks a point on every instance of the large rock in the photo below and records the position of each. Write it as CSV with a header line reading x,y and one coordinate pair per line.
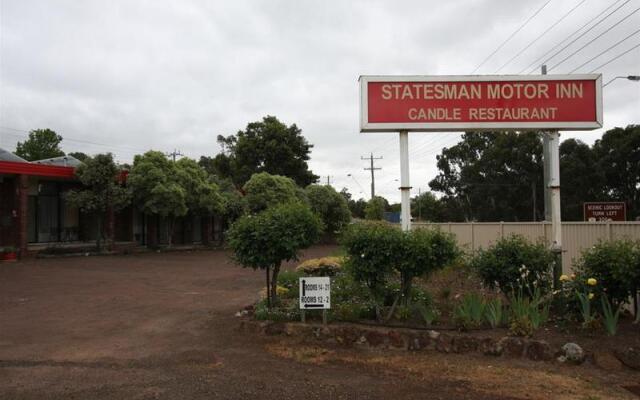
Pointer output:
x,y
629,357
512,346
606,361
490,347
573,353
347,335
375,338
464,344
396,340
443,343
539,350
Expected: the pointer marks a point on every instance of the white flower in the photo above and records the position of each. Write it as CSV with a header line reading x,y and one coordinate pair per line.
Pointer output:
x,y
362,255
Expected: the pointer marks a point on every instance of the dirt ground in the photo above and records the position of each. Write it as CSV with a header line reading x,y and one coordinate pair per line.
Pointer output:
x,y
162,326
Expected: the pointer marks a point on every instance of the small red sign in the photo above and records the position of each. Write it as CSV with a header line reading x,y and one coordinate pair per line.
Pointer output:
x,y
432,103
605,211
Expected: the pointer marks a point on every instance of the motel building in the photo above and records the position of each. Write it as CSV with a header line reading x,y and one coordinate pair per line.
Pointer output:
x,y
34,216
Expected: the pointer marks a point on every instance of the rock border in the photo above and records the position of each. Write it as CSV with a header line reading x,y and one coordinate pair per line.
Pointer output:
x,y
372,337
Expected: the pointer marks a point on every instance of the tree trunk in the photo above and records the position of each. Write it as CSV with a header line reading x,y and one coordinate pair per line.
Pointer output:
x,y
170,233
405,289
274,283
99,236
268,290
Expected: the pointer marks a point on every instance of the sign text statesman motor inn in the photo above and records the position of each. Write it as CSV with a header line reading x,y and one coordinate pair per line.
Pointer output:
x,y
479,102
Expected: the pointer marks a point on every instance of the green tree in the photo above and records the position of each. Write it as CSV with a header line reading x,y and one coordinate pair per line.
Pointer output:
x,y
375,208
492,176
265,240
330,206
581,178
424,251
357,208
234,205
78,155
42,143
265,146
374,248
264,190
618,155
202,195
101,190
154,183
426,207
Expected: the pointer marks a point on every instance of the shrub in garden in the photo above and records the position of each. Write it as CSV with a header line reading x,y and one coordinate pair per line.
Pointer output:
x,y
331,207
265,240
616,267
424,251
501,265
374,210
373,249
264,190
325,266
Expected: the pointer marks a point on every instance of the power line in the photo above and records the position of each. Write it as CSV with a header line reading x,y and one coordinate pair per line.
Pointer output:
x,y
68,139
536,62
604,51
540,36
511,36
581,35
595,38
615,58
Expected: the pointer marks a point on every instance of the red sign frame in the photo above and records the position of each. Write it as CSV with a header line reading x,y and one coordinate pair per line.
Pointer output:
x,y
457,103
605,210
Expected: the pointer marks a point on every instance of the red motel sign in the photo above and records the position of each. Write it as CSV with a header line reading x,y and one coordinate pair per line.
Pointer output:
x,y
605,211
445,103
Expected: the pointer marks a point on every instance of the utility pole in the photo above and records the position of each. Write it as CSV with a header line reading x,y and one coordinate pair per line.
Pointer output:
x,y
372,169
551,148
174,154
546,165
418,204
328,180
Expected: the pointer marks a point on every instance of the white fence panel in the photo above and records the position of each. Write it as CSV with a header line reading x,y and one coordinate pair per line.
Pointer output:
x,y
576,236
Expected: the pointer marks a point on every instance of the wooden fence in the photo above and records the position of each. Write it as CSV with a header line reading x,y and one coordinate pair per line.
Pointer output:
x,y
575,235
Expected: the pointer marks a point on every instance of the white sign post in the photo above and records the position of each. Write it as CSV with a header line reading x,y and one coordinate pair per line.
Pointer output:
x,y
315,294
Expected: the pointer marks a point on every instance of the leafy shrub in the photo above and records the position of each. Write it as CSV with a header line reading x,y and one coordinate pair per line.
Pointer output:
x,y
264,190
330,206
501,265
325,266
616,267
290,281
265,240
374,210
353,311
469,313
373,249
279,314
424,251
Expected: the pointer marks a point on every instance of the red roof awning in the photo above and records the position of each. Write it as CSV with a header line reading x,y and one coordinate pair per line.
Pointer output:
x,y
9,167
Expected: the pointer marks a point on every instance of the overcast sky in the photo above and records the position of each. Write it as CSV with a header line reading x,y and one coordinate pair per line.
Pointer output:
x,y
126,76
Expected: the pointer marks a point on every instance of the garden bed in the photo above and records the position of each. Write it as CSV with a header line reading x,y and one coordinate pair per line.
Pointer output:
x,y
606,353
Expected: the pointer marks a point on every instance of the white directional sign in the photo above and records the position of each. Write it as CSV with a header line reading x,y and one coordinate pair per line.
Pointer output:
x,y
315,293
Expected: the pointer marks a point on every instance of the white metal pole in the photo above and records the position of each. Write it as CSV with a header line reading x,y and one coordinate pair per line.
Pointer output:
x,y
554,187
405,189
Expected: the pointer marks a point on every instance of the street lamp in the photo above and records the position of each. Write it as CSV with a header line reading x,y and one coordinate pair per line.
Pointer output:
x,y
630,77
